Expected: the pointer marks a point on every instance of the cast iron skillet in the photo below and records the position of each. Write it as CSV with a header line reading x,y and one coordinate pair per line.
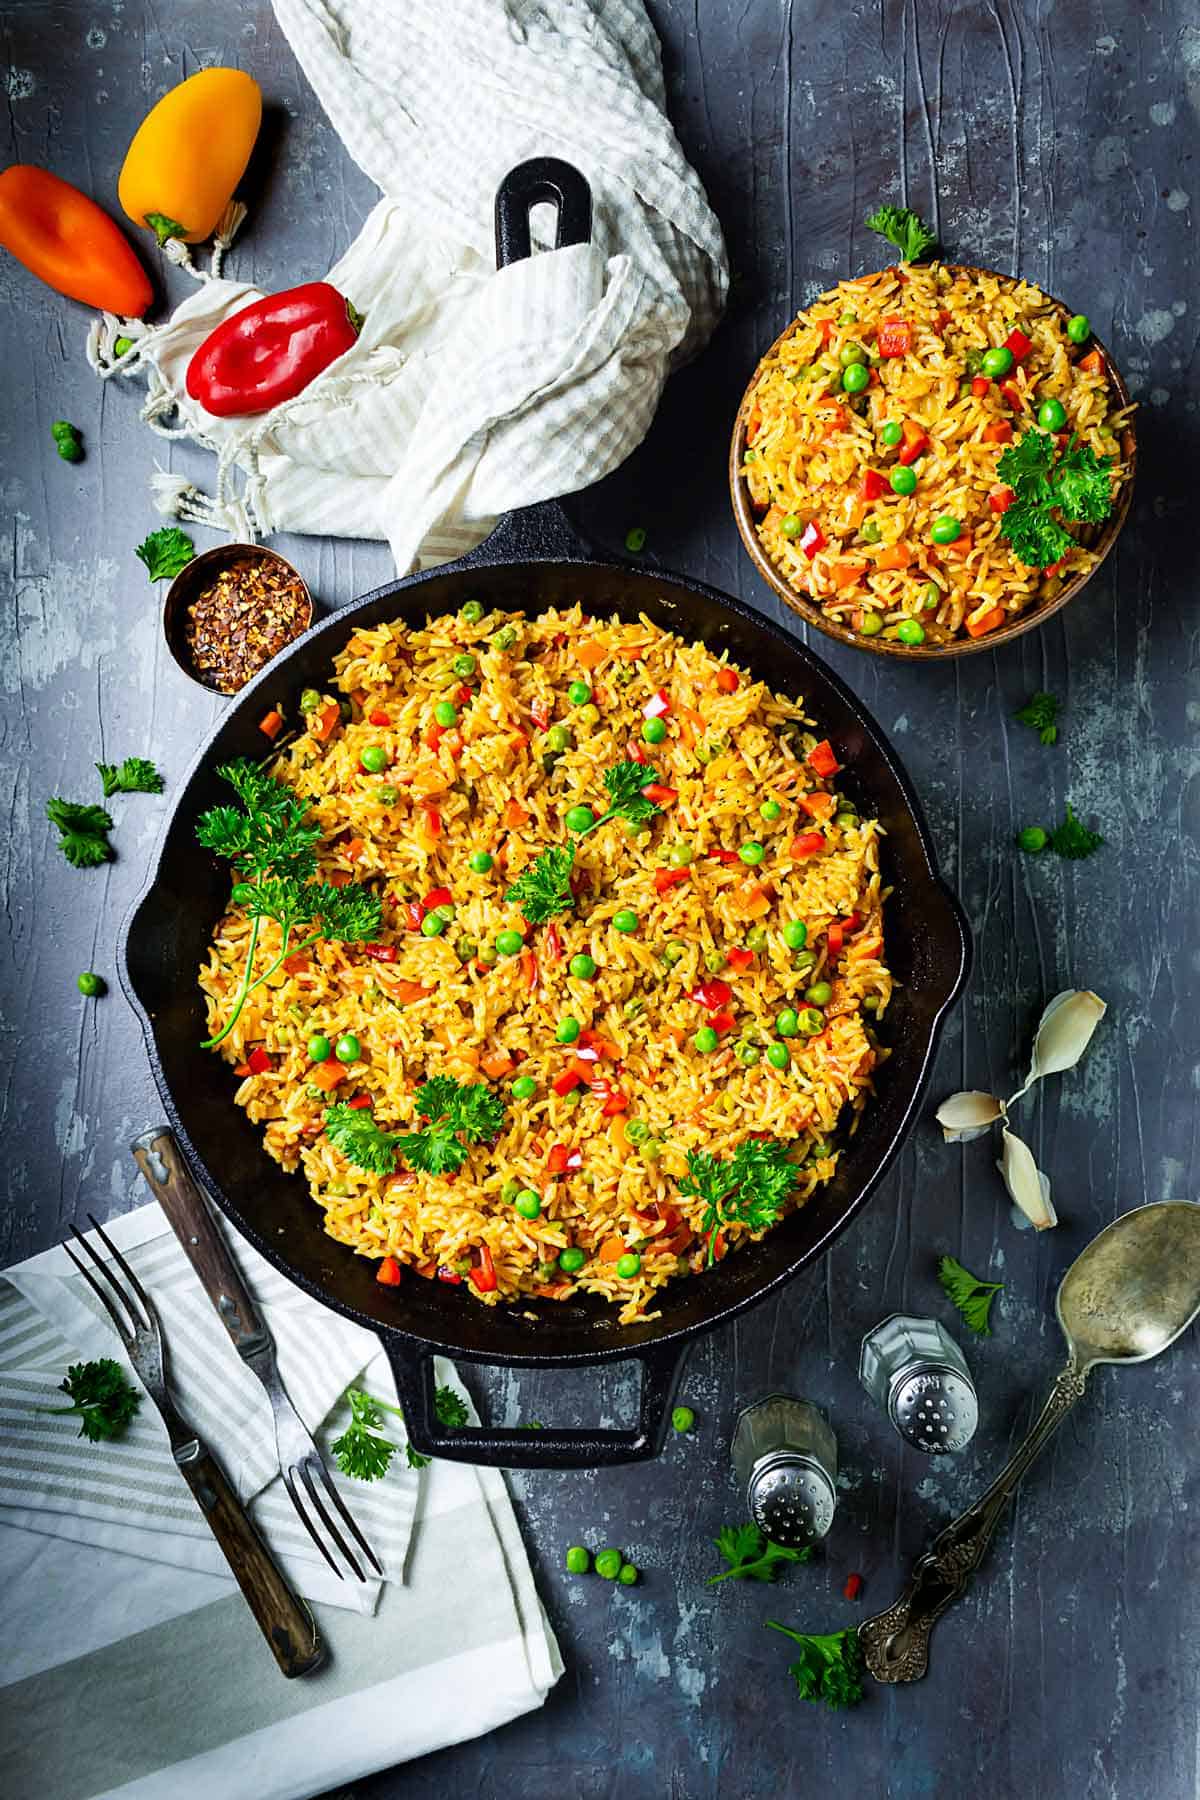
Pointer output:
x,y
531,561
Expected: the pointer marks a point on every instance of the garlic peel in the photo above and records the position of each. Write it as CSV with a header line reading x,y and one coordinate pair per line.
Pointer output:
x,y
1064,1032
1027,1185
970,1114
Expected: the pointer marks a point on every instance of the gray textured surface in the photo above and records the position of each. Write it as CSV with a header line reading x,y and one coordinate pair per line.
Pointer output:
x,y
1060,138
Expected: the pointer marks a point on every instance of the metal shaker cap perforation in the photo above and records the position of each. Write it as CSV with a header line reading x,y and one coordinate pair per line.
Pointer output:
x,y
935,1410
785,1456
792,1501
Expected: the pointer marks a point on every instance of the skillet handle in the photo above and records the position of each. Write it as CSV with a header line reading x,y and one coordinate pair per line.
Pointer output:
x,y
541,179
510,1447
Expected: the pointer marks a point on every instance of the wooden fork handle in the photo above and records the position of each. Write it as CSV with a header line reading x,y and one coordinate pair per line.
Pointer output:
x,y
282,1617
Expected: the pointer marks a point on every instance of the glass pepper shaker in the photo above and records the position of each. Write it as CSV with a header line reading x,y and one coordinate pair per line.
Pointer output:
x,y
915,1371
785,1457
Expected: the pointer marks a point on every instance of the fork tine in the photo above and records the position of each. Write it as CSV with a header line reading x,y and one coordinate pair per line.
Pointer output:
x,y
307,1523
139,1290
346,1515
123,1331
310,1489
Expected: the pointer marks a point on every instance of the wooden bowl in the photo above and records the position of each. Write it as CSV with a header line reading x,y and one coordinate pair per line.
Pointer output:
x,y
191,581
1098,538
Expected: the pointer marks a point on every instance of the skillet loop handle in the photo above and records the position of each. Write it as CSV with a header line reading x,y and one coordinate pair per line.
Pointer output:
x,y
509,1447
542,178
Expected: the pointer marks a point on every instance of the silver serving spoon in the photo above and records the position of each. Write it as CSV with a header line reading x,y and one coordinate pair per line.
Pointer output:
x,y
1124,1298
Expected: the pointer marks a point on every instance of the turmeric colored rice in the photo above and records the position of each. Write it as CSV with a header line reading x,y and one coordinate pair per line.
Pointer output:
x,y
820,462
738,769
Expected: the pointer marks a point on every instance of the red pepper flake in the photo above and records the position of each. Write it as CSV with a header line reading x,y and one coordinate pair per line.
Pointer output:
x,y
853,1587
247,613
637,752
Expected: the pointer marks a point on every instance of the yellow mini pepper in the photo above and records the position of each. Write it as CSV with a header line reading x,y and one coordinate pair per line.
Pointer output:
x,y
189,154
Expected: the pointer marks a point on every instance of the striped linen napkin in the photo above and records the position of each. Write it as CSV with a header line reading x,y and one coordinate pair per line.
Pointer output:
x,y
117,1610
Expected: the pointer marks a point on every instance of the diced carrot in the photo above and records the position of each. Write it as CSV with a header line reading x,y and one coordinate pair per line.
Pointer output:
x,y
296,963
750,902
998,432
962,545
326,1075
728,680
631,652
819,805
271,724
339,878
326,721
1093,362
529,968
753,424
496,1064
845,573
355,848
979,624
557,1290
896,556
379,717
591,653
980,386
612,1250
515,815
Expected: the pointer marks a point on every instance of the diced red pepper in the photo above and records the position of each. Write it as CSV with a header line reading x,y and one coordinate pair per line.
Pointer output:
x,y
712,995
1012,395
1093,362
297,963
433,822
806,844
1019,344
853,1587
998,432
529,968
894,337
723,856
661,795
432,736
722,1021
552,944
597,1044
561,1159
1000,499
484,1276
388,1272
872,485
980,385
812,539
835,937
657,705
668,878
360,1103
1056,568
386,953
447,1274
259,1060
916,442
379,717
540,714
415,913
614,1102
567,1082
728,681
822,761
464,694
738,958
637,752
439,896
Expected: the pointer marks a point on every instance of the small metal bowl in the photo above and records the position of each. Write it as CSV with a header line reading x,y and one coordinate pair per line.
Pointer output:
x,y
1098,538
197,575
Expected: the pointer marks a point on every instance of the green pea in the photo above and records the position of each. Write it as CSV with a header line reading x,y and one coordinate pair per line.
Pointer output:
x,y
637,1131
714,961
386,796
770,810
903,480
580,818
756,938
319,1048
374,759
635,540
608,1563
488,955
505,638
795,934
682,1418
932,595
627,1574
472,612
996,362
1052,415
309,700
849,317
788,1023
673,952
706,1040
582,967
559,737
347,1049
589,715
625,921
579,693
792,526
464,665
636,828
819,994
910,631
571,1261
654,731
578,1561
811,1021
892,433
1033,838
629,1265
528,1204
465,949
855,378
752,853
573,1099
568,1030
480,861
871,625
805,961
651,1150
433,924
90,985
751,456
681,855
846,821
748,1054
850,354
445,712
1079,328
870,531
945,529
870,1003
778,1055
121,345
524,1087
509,943
820,1151
509,1192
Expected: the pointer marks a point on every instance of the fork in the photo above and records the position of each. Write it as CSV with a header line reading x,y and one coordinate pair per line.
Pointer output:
x,y
300,1464
282,1617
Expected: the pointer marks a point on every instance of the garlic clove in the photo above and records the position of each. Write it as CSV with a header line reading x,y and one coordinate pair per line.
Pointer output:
x,y
968,1115
1028,1187
1063,1034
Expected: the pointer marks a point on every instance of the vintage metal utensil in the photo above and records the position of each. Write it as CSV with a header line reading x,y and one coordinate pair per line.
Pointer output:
x,y
1129,1295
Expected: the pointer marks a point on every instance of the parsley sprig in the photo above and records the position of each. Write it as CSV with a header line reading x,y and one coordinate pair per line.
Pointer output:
x,y
750,1188
363,1453
1072,839
270,839
1040,713
82,832
452,1111
972,1297
353,1131
1075,486
752,1556
829,1667
903,228
543,890
134,776
165,552
624,783
104,1400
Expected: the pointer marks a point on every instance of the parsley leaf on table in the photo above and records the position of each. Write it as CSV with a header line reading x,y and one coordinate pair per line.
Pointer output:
x,y
751,1555
903,228
165,552
353,1131
1075,485
1040,713
83,832
829,1667
105,1400
1071,839
750,1188
452,1111
544,888
363,1453
134,776
972,1297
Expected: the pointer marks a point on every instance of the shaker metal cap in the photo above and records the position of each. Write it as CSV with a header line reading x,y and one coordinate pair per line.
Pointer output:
x,y
792,1500
934,1409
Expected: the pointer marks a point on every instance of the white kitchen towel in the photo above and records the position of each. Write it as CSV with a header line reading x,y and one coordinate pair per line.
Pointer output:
x,y
470,391
127,1494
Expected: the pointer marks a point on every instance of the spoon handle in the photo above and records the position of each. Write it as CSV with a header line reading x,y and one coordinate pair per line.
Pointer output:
x,y
895,1643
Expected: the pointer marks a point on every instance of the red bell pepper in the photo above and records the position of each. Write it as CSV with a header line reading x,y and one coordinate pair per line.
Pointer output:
x,y
728,681
1012,395
540,714
722,1021
433,821
806,844
737,958
271,350
723,856
657,705
812,539
1000,499
980,385
822,761
660,794
567,1082
552,944
388,1272
561,1159
668,878
381,952
916,442
449,1275
360,1103
379,717
1019,344
415,913
712,995
637,752
439,896
259,1060
895,337
484,1276
872,485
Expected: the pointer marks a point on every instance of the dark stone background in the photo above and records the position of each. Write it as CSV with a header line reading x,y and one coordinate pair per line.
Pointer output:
x,y
1057,139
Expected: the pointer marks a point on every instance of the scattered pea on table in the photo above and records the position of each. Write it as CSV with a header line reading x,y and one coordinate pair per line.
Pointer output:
x,y
608,1564
627,1574
91,985
578,1561
683,1418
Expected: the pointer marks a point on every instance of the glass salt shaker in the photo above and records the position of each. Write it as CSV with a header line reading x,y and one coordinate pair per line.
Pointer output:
x,y
915,1371
785,1457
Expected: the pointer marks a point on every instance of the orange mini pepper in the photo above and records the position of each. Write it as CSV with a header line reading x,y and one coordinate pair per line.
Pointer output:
x,y
64,239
